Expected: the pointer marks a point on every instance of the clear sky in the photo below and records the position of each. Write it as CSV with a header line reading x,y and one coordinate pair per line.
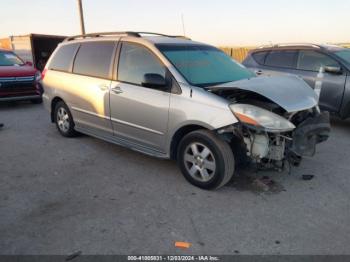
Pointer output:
x,y
219,22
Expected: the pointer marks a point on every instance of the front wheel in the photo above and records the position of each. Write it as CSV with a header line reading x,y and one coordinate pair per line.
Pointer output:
x,y
205,160
64,120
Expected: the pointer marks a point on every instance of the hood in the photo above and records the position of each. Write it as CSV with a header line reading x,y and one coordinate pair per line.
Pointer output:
x,y
17,71
289,92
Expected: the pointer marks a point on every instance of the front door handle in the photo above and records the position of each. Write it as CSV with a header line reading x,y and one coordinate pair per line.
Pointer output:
x,y
259,72
117,90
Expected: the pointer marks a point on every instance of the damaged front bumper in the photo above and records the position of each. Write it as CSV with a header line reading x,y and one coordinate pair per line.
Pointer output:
x,y
309,133
271,150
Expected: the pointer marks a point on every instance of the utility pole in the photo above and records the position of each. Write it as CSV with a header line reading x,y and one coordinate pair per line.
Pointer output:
x,y
183,24
81,16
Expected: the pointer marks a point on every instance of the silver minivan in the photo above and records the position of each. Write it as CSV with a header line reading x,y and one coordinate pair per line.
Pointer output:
x,y
170,97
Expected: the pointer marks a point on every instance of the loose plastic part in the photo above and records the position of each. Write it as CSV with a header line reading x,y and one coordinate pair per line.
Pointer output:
x,y
182,244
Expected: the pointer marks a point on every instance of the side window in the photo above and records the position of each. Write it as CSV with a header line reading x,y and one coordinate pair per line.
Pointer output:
x,y
259,57
284,59
63,57
135,61
94,59
313,61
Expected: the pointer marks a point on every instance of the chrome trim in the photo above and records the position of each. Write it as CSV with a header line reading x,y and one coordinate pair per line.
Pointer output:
x,y
17,79
136,126
89,112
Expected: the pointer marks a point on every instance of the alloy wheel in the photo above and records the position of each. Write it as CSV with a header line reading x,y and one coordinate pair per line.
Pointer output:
x,y
199,162
63,119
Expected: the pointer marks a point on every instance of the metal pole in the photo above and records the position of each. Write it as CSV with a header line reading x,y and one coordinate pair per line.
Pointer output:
x,y
183,24
81,15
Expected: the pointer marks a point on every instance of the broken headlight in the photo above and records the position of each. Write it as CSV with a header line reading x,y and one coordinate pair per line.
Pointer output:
x,y
261,118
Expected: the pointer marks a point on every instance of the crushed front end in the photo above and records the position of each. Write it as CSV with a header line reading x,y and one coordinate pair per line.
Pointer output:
x,y
273,147
278,119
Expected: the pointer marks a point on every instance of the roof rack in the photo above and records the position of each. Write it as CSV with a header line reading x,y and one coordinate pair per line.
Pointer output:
x,y
102,34
291,45
126,33
157,34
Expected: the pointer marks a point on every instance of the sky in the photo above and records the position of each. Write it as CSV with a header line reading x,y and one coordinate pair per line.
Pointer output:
x,y
217,22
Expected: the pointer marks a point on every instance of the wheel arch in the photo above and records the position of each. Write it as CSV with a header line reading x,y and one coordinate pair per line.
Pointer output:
x,y
179,134
54,102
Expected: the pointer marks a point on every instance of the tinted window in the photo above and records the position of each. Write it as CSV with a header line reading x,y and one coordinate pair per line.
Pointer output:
x,y
284,59
9,59
312,61
94,59
135,61
344,54
259,57
63,58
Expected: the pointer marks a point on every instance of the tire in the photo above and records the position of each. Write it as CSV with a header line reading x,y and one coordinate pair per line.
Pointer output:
x,y
64,120
205,160
36,101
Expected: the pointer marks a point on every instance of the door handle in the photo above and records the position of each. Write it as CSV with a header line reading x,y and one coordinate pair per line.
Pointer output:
x,y
258,72
117,90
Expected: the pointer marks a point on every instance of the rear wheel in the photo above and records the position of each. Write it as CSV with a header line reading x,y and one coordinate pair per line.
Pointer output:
x,y
64,120
205,160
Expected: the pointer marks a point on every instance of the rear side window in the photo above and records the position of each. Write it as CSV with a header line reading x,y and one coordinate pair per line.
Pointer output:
x,y
312,61
135,61
63,58
284,59
94,59
259,57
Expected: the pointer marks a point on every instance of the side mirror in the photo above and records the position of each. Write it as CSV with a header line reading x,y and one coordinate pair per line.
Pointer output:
x,y
28,63
154,81
333,70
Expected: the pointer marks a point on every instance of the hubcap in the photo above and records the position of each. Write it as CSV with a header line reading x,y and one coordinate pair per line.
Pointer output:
x,y
63,119
199,162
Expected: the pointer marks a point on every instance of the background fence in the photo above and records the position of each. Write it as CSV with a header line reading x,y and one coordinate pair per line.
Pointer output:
x,y
238,53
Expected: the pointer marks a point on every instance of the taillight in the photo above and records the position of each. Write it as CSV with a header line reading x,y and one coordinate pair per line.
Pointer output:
x,y
43,73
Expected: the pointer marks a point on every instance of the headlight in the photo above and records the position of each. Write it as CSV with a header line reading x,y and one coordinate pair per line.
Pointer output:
x,y
37,76
258,117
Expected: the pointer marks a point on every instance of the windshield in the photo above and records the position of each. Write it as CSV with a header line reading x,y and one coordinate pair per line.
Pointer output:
x,y
203,65
9,59
344,54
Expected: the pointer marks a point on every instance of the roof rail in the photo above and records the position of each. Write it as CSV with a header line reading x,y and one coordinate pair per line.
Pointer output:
x,y
299,44
126,33
102,34
291,45
157,34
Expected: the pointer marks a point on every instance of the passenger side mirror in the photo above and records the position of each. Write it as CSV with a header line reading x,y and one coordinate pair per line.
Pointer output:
x,y
333,70
155,81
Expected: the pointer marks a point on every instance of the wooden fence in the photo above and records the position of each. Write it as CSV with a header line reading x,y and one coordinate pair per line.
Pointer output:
x,y
5,43
237,53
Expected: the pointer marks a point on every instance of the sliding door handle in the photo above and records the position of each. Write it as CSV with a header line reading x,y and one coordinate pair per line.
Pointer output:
x,y
117,90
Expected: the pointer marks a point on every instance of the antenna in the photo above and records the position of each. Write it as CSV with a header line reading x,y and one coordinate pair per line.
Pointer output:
x,y
183,24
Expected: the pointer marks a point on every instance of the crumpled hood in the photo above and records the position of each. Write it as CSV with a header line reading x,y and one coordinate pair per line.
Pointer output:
x,y
290,92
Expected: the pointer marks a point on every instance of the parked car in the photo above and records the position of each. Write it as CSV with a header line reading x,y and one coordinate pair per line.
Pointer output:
x,y
171,97
305,61
18,80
